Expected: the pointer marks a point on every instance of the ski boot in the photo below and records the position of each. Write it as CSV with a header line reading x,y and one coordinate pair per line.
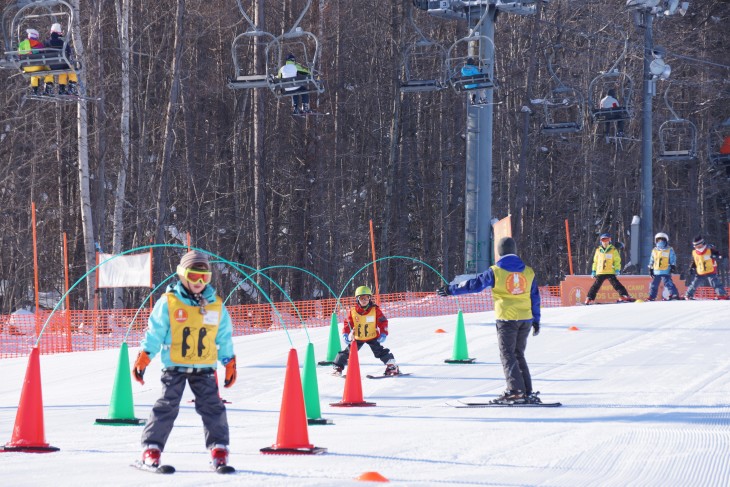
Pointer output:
x,y
295,110
62,90
151,456
48,91
627,299
72,88
306,109
588,301
511,397
219,456
337,370
391,368
532,397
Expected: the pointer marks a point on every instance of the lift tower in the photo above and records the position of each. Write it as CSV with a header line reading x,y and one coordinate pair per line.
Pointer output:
x,y
480,14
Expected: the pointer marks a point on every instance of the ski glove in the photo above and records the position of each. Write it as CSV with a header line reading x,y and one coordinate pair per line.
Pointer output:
x,y
443,291
535,328
347,338
618,272
593,274
673,269
381,338
651,271
230,372
140,365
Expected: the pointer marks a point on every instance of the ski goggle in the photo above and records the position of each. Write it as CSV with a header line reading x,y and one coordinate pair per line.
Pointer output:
x,y
605,239
197,276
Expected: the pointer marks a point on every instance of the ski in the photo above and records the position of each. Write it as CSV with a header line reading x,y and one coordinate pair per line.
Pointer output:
x,y
163,469
491,404
383,376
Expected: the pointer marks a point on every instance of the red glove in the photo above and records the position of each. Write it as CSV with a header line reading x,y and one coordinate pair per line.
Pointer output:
x,y
230,372
140,365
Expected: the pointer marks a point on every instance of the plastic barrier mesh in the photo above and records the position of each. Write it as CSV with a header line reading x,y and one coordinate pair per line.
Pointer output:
x,y
74,331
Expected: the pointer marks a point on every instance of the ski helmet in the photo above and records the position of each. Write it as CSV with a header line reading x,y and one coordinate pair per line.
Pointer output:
x,y
362,291
661,235
290,57
56,28
699,240
32,34
605,236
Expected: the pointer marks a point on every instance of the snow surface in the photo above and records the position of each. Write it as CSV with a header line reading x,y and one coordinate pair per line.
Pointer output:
x,y
645,389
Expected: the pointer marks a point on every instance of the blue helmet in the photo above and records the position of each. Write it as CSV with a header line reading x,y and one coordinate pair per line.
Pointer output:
x,y
605,236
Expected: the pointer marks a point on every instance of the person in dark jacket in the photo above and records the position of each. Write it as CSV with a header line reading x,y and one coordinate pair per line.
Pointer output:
x,y
517,308
67,82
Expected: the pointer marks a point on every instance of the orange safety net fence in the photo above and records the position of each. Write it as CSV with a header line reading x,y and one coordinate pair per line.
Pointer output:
x,y
74,331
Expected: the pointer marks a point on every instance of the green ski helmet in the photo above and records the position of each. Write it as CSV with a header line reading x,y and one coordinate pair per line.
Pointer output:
x,y
362,290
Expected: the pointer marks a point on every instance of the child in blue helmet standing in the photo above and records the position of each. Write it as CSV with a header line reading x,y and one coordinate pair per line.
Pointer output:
x,y
606,266
662,263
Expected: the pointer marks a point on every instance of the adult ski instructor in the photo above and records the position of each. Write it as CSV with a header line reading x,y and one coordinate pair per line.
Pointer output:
x,y
517,308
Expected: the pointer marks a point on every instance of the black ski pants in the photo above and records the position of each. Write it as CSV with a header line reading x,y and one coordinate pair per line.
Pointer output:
x,y
379,351
620,289
208,405
512,340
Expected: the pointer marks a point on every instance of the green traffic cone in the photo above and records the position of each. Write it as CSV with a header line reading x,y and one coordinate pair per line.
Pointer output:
x,y
460,355
121,409
334,345
311,389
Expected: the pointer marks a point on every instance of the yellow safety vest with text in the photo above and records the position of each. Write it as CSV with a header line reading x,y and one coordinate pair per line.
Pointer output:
x,y
364,326
193,333
511,293
606,261
660,258
704,262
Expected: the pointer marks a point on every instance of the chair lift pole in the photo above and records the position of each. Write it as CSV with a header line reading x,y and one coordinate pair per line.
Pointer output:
x,y
478,191
647,222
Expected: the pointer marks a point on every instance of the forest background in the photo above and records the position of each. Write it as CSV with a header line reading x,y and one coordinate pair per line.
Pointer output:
x,y
169,149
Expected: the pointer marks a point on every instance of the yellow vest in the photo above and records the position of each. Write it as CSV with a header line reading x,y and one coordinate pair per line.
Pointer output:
x,y
511,293
704,262
661,259
365,327
193,334
606,262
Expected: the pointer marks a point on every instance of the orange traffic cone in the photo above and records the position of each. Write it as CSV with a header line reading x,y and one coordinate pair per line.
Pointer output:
x,y
292,437
28,433
352,396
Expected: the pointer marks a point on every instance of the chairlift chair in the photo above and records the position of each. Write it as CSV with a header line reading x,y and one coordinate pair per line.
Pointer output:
x,y
457,56
717,145
677,137
305,47
563,110
244,47
677,141
622,84
38,14
423,67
